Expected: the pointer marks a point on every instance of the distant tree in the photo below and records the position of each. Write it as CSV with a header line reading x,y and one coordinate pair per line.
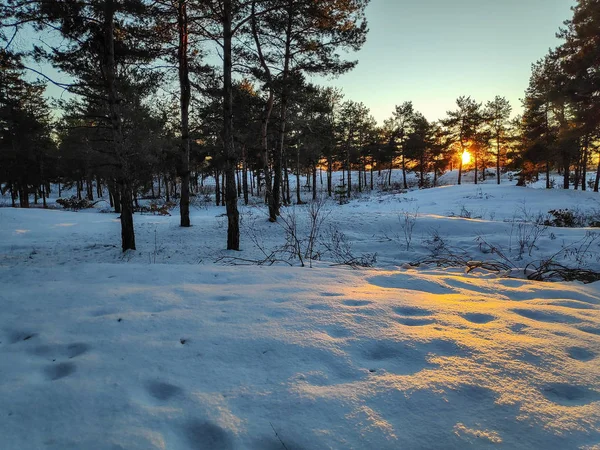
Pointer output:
x,y
463,125
25,133
497,115
298,37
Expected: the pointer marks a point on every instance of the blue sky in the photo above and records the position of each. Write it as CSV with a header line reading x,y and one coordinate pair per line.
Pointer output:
x,y
433,51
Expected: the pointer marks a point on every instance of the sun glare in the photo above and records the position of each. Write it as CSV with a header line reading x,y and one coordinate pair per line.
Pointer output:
x,y
466,157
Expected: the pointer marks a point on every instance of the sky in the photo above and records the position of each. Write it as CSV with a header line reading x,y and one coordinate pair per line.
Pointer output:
x,y
433,51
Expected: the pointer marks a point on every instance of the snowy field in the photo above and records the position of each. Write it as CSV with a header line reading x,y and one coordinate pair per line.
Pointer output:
x,y
168,347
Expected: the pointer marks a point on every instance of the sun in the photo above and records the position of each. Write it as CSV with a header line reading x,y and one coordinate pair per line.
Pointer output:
x,y
466,157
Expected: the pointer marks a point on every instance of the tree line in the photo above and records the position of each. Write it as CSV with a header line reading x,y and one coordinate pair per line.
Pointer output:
x,y
150,114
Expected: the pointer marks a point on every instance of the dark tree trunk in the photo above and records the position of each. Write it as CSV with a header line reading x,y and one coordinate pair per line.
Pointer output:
x,y
184,103
278,159
314,179
89,188
109,69
329,176
372,168
286,180
498,158
404,183
233,229
567,171
266,116
298,196
584,164
245,175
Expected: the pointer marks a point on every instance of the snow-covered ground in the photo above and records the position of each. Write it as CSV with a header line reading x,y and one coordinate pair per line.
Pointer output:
x,y
164,348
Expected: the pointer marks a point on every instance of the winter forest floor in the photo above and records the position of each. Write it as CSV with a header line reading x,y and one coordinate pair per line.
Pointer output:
x,y
180,345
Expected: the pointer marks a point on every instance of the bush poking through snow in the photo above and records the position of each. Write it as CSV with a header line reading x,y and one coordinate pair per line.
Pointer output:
x,y
340,248
74,203
160,209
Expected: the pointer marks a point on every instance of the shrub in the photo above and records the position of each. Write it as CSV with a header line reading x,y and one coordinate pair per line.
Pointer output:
x,y
562,218
74,203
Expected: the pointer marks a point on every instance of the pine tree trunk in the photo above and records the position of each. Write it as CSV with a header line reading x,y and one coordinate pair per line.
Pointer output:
x,y
405,184
109,68
233,229
314,179
329,176
498,159
567,171
585,163
217,189
349,169
184,103
278,159
44,196
245,175
372,168
298,196
286,180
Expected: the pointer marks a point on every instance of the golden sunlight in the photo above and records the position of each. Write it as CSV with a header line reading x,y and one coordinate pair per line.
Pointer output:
x,y
466,157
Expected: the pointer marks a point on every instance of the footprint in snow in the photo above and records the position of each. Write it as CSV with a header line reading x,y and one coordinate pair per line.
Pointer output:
x,y
205,435
569,394
478,318
546,316
318,307
162,391
411,311
580,353
19,336
590,329
58,371
414,322
76,349
337,332
356,302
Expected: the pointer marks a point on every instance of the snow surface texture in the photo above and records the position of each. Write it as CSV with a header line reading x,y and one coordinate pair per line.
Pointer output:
x,y
104,351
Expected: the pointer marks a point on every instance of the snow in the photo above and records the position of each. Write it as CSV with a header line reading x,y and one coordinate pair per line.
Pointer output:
x,y
163,348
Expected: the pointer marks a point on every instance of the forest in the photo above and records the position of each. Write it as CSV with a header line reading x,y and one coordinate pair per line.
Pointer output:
x,y
165,95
